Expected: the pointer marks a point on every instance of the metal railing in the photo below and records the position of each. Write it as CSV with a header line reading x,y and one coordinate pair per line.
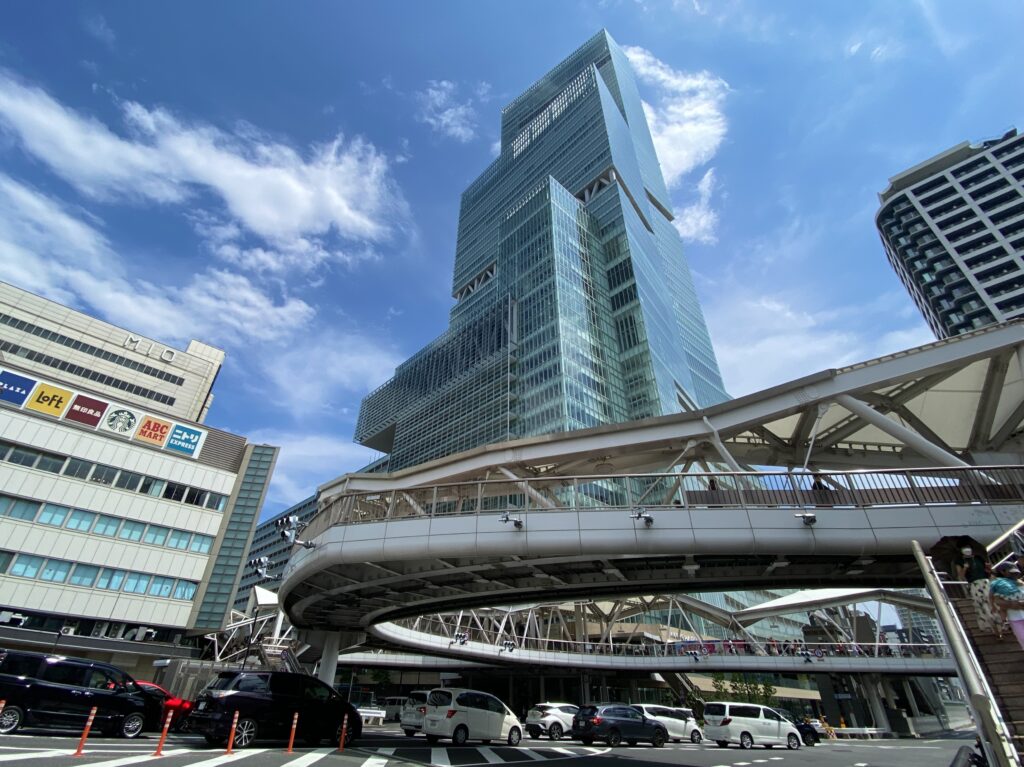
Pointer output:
x,y
456,635
990,485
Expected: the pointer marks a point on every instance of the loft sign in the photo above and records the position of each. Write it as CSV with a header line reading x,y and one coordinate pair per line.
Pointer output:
x,y
148,348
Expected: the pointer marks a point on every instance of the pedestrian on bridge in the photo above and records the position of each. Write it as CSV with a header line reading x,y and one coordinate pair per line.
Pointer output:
x,y
972,567
1007,599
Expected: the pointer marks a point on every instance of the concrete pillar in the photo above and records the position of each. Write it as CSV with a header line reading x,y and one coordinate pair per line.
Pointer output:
x,y
911,701
874,701
540,679
889,693
329,659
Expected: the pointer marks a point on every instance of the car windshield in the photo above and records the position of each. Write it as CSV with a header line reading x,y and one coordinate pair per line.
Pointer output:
x,y
587,711
714,709
440,698
541,708
416,697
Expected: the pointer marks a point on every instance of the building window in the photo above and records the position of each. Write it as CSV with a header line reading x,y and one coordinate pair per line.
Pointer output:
x,y
184,590
128,480
131,531
136,583
6,557
161,586
201,544
111,579
56,570
81,520
156,535
76,467
23,456
51,463
107,526
22,509
84,575
26,566
216,501
174,491
179,539
53,515
195,496
105,475
152,486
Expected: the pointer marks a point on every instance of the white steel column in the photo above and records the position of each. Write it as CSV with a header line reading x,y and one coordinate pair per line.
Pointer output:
x,y
898,431
329,659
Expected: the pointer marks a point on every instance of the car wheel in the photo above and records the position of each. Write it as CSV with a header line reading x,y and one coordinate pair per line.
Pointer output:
x,y
587,741
746,741
533,732
792,742
433,738
410,733
658,739
514,736
11,718
245,732
614,738
722,743
696,737
460,736
350,734
555,731
131,726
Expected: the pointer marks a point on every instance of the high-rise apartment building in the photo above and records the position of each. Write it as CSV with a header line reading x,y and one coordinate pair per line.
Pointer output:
x,y
574,304
124,521
953,229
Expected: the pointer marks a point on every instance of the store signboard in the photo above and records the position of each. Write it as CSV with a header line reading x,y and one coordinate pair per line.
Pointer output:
x,y
49,399
15,388
153,430
185,440
121,420
86,410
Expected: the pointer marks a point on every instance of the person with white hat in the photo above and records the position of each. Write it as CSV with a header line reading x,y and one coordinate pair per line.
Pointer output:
x,y
1007,598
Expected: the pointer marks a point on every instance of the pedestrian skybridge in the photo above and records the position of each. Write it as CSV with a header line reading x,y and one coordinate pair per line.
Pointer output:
x,y
636,509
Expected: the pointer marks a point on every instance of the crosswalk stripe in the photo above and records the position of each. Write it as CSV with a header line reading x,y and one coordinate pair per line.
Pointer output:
x,y
490,756
564,751
37,755
310,757
530,753
217,759
439,756
135,758
385,751
375,761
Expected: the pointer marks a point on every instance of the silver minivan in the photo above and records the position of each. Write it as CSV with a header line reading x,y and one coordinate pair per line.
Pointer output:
x,y
749,725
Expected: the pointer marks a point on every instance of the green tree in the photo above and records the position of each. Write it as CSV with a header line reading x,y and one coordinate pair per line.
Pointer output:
x,y
767,693
720,686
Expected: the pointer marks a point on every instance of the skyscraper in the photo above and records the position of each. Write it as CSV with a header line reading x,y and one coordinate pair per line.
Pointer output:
x,y
953,229
574,304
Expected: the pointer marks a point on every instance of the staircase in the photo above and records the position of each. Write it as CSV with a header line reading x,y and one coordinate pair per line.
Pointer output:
x,y
1001,661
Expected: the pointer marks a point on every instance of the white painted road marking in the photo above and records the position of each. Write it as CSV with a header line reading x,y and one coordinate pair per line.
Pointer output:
x,y
439,756
37,755
312,757
490,756
373,761
136,758
217,759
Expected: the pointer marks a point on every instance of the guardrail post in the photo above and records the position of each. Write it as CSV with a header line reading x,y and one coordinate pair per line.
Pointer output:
x,y
163,735
231,736
291,738
85,732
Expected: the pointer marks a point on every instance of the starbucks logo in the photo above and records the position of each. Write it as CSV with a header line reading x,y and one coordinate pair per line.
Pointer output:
x,y
122,421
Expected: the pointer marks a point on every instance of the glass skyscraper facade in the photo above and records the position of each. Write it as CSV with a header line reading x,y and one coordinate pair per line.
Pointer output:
x,y
575,306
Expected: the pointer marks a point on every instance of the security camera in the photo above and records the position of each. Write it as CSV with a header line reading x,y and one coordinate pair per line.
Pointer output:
x,y
809,518
506,518
641,513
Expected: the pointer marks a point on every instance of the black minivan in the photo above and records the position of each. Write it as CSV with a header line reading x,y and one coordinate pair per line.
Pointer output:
x,y
55,691
266,701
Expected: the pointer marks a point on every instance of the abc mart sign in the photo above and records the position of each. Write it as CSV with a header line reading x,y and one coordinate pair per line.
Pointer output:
x,y
55,401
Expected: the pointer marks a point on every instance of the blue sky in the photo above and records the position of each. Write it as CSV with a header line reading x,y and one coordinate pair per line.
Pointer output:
x,y
283,179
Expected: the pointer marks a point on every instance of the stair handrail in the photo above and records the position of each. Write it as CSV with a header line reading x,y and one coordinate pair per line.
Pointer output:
x,y
995,735
1014,536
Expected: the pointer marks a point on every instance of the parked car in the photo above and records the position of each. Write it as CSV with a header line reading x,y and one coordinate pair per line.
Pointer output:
x,y
614,723
56,691
808,732
179,707
679,722
266,702
393,708
748,724
413,709
464,714
551,719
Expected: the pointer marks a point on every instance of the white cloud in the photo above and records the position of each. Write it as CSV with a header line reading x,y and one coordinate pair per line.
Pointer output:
x,y
792,340
687,122
332,202
97,27
45,248
699,222
441,110
306,461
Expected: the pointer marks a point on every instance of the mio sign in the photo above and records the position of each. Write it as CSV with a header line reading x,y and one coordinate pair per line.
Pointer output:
x,y
148,348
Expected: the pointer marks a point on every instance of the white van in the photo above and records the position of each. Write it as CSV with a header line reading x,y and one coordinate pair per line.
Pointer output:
x,y
393,708
413,710
749,725
463,714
